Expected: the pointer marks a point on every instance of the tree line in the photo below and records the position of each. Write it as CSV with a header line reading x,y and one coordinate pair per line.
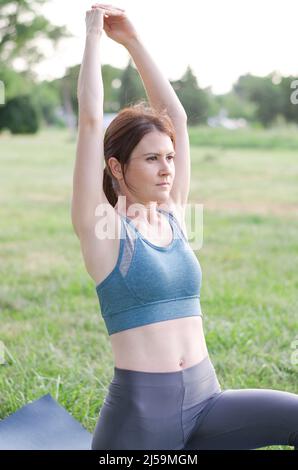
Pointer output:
x,y
30,104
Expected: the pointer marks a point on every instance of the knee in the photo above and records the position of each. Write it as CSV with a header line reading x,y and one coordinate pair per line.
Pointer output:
x,y
93,446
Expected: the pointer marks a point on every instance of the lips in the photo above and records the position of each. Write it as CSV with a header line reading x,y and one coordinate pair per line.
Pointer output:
x,y
163,184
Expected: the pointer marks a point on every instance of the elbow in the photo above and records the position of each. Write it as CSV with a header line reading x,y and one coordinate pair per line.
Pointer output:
x,y
86,119
75,220
88,114
74,225
179,118
183,115
76,231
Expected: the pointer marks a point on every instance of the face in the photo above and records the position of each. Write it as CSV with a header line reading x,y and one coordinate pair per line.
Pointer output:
x,y
146,169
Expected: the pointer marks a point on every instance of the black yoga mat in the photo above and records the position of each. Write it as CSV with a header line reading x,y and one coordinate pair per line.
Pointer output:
x,y
43,424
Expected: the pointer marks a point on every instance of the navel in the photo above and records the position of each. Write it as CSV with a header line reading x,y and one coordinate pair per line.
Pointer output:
x,y
181,362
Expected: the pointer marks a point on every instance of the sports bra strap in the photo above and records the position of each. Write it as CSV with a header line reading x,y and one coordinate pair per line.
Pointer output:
x,y
175,220
171,217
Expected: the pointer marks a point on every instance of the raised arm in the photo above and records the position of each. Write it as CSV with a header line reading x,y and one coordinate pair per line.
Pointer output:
x,y
161,95
158,88
89,163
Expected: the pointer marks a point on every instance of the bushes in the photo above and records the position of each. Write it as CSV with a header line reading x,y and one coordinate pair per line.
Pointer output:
x,y
20,115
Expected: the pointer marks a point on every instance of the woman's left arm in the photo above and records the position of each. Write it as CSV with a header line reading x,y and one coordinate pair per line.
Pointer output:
x,y
160,93
158,88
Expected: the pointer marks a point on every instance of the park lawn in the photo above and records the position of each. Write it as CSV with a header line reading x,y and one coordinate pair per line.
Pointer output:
x,y
54,336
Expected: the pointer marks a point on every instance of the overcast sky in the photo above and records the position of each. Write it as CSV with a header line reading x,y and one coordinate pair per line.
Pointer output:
x,y
219,39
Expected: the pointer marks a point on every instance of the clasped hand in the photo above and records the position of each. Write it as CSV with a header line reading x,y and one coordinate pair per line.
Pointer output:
x,y
113,21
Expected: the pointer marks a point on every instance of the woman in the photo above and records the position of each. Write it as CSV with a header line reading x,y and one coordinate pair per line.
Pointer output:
x,y
164,393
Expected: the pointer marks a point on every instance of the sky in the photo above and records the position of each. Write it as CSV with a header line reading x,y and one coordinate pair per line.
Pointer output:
x,y
219,39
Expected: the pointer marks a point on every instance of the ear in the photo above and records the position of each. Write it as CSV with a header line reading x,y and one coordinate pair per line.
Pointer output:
x,y
115,167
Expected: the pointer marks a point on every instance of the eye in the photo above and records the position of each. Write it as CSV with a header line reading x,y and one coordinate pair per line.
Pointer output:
x,y
169,156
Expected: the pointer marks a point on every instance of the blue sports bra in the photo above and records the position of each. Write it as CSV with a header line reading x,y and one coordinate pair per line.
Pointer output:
x,y
150,283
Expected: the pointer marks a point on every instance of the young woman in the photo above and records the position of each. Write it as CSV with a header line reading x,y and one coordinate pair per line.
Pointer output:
x,y
165,393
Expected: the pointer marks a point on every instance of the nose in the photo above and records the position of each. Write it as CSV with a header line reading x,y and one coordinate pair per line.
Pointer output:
x,y
165,167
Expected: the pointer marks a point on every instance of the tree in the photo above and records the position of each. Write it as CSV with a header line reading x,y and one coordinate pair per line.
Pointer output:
x,y
194,99
20,27
290,109
20,115
132,87
264,93
237,106
16,83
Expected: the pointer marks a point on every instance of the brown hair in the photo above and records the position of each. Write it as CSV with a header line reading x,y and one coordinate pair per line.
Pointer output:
x,y
124,133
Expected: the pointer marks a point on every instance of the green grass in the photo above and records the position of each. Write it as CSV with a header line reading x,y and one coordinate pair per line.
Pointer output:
x,y
51,326
279,138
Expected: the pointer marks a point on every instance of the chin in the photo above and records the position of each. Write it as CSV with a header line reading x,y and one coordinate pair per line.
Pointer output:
x,y
163,199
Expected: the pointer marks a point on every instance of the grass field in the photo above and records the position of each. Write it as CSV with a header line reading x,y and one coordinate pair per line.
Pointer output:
x,y
55,339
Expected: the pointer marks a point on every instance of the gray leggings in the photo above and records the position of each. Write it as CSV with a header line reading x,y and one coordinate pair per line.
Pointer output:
x,y
187,409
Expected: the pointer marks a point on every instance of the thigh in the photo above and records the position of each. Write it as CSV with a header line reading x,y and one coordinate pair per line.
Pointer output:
x,y
141,417
247,419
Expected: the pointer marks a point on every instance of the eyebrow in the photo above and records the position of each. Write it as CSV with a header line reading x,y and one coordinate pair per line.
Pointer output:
x,y
159,154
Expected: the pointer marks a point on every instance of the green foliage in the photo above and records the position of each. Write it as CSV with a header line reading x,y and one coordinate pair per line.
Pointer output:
x,y
20,115
236,106
26,102
47,100
262,101
131,86
194,100
21,26
289,111
270,96
44,96
15,83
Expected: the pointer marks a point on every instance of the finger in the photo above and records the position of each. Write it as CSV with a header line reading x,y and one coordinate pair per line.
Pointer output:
x,y
102,10
108,6
109,12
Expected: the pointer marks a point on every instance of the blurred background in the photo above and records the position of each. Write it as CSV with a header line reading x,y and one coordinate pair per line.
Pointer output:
x,y
234,67
231,63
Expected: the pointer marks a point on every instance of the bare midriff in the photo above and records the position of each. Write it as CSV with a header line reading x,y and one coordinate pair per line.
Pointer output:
x,y
165,346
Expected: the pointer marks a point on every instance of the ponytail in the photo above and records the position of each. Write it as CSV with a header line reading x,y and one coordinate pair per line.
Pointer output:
x,y
109,187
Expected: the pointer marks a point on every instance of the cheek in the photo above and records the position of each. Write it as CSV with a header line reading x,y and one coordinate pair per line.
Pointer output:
x,y
144,173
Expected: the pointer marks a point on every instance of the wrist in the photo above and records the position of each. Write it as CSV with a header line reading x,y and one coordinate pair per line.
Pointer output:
x,y
94,32
132,42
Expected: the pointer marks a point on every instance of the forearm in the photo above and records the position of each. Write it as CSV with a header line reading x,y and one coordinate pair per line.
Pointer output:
x,y
90,92
158,88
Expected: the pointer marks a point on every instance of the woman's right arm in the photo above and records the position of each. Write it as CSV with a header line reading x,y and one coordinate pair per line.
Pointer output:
x,y
89,163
